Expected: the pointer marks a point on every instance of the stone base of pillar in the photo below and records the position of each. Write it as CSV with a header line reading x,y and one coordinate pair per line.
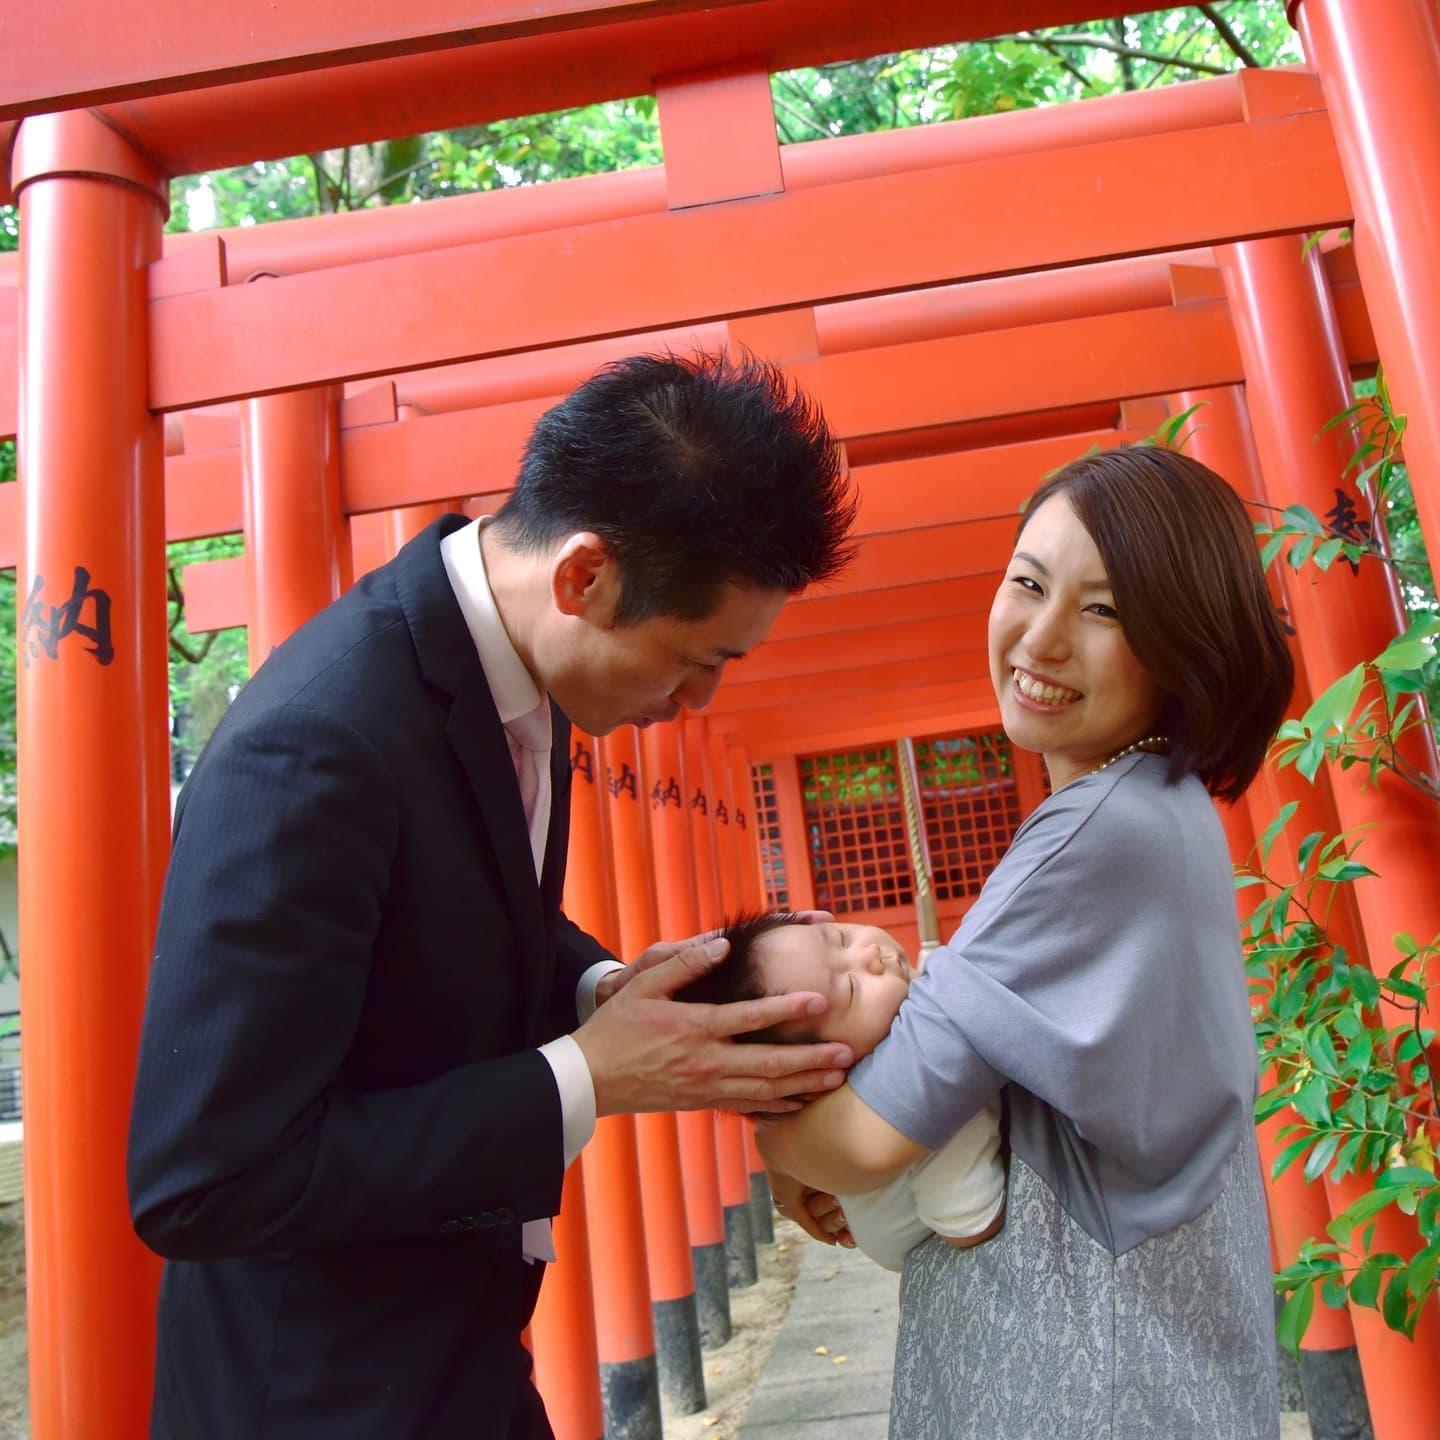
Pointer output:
x,y
1335,1395
630,1394
740,1269
677,1347
712,1294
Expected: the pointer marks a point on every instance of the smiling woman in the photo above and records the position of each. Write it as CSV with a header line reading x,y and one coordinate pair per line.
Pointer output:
x,y
1095,993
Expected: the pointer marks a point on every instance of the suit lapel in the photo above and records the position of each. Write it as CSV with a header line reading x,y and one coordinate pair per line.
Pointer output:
x,y
480,743
448,659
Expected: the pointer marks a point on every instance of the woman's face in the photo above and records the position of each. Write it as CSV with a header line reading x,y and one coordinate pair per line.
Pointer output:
x,y
1068,683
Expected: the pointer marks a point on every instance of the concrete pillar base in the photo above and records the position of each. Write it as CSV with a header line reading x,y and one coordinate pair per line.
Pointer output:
x,y
1335,1395
677,1347
740,1268
630,1394
712,1294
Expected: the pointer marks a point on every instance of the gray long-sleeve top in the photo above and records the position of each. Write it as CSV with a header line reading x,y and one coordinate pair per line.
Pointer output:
x,y
1099,975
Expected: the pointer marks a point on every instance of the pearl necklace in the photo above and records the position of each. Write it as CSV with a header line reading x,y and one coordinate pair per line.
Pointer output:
x,y
1151,744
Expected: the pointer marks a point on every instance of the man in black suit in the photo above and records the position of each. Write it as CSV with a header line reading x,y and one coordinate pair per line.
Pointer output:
x,y
366,1057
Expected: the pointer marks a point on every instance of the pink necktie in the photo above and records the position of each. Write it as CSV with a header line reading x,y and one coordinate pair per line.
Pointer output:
x,y
531,752
530,749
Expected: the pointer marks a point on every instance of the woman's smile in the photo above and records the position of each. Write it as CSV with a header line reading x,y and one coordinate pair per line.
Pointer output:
x,y
1042,695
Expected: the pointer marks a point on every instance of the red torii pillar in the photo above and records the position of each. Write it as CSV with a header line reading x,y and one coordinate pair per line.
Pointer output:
x,y
750,895
729,851
742,782
370,543
562,1329
404,523
729,1133
662,774
629,1383
1223,441
94,763
667,1234
1379,64
1299,382
297,543
1330,1361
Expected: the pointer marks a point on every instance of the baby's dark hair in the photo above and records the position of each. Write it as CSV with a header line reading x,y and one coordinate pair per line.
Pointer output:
x,y
737,977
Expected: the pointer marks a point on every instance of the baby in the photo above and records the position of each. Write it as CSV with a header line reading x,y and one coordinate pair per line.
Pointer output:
x,y
958,1192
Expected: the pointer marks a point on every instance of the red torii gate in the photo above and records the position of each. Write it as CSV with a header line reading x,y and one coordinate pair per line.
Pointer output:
x,y
113,334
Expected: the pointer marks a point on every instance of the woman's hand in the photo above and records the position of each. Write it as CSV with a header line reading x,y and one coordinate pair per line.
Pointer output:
x,y
818,1213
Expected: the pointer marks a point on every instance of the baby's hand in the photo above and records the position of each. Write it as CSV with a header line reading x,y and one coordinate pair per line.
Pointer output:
x,y
826,1211
817,1213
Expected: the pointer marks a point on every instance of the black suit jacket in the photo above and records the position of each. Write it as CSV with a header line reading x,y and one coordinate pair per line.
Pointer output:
x,y
339,1119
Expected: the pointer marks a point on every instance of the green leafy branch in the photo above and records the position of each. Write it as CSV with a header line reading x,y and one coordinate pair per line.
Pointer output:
x,y
1396,1285
1346,1052
1361,717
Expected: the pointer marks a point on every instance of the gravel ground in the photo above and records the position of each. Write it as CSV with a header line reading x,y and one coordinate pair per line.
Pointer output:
x,y
755,1316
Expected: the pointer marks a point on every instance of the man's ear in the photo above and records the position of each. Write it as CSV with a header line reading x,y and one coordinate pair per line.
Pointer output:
x,y
584,579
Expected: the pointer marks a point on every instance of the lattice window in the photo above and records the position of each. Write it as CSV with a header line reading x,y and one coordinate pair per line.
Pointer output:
x,y
767,836
855,819
971,807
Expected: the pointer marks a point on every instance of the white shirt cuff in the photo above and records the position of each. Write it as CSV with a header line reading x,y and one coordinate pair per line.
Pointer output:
x,y
585,990
577,1093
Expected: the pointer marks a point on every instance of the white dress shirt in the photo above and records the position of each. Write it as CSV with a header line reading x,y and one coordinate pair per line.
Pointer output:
x,y
515,694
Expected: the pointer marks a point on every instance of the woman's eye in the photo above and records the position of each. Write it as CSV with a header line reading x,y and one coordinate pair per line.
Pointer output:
x,y
1108,611
1026,583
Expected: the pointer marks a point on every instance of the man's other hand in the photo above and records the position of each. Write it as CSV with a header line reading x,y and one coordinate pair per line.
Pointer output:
x,y
657,954
647,1051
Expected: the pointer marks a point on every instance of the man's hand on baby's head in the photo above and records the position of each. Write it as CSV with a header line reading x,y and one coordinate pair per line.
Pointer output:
x,y
647,1051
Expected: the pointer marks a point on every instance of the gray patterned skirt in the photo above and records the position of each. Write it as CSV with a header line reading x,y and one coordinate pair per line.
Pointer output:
x,y
1043,1334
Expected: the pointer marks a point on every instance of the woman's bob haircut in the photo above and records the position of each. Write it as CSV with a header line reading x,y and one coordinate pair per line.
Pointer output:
x,y
1180,553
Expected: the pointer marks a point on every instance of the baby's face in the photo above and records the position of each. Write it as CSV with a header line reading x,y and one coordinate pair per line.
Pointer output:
x,y
860,970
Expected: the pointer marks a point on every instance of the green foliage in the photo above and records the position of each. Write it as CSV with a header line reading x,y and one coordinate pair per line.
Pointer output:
x,y
612,136
1015,72
1346,1050
1378,525
958,761
850,778
206,671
